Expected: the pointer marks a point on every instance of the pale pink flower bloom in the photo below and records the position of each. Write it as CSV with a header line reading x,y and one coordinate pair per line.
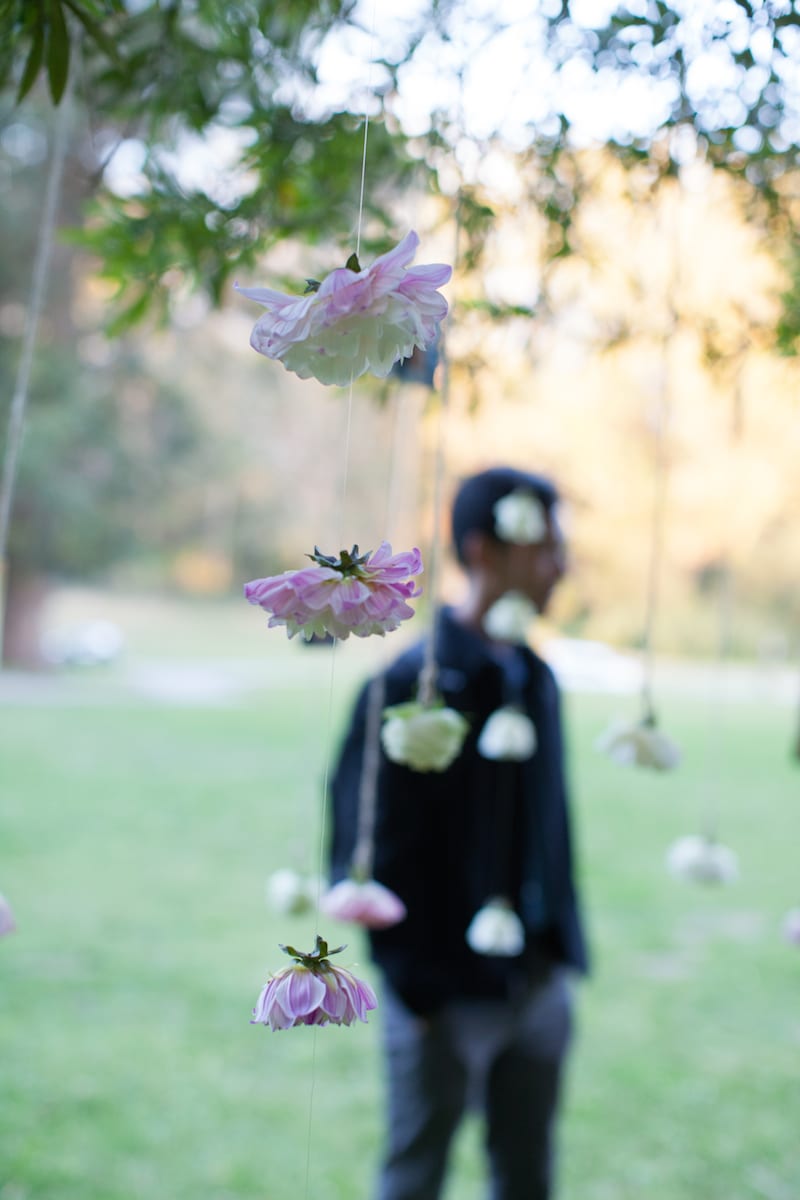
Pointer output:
x,y
496,930
312,991
369,904
360,594
7,922
356,320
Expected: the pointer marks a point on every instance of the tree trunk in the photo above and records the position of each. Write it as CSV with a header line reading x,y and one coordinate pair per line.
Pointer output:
x,y
26,595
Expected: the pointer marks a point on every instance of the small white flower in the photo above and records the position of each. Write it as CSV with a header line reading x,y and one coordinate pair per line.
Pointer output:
x,y
7,922
509,736
702,860
510,617
291,893
423,738
791,926
520,518
496,930
640,745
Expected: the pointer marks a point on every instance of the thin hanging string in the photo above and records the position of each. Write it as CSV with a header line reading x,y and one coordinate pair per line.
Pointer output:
x,y
359,222
340,522
363,172
19,401
717,689
331,689
427,678
660,476
714,724
656,541
364,853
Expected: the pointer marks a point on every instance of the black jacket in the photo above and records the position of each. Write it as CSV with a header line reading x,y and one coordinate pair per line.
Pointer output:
x,y
448,841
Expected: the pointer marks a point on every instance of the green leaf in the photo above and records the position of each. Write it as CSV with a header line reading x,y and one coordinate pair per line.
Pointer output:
x,y
352,263
57,51
33,63
95,31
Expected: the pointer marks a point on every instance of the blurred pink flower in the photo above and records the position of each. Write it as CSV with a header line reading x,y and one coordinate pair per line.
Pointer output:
x,y
791,926
355,320
7,922
369,904
360,594
313,992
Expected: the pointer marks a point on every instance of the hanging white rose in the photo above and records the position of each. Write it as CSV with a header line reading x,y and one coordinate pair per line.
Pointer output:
x,y
640,745
510,617
703,860
424,738
509,735
520,518
496,930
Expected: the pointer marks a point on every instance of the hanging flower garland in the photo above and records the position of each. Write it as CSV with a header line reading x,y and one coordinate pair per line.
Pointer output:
x,y
362,594
356,320
313,992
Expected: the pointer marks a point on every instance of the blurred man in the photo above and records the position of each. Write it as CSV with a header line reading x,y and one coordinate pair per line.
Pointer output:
x,y
475,1002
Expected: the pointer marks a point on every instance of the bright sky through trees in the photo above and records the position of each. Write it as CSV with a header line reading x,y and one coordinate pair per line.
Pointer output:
x,y
490,69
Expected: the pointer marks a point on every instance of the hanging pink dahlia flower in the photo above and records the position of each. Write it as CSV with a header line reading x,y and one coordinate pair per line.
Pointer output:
x,y
366,903
312,991
355,320
356,593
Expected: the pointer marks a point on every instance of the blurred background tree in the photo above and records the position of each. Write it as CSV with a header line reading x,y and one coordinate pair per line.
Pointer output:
x,y
207,135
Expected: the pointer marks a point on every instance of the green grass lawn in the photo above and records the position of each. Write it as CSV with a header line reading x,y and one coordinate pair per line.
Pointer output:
x,y
135,840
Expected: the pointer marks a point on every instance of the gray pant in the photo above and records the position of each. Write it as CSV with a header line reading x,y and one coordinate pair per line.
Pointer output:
x,y
505,1057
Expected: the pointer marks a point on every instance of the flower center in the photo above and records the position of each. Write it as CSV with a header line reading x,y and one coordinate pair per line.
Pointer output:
x,y
314,960
349,563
